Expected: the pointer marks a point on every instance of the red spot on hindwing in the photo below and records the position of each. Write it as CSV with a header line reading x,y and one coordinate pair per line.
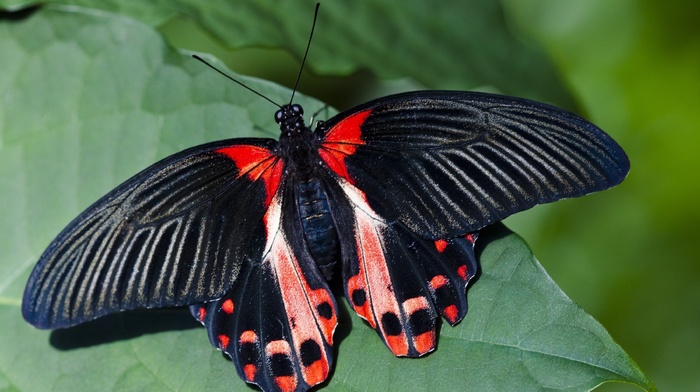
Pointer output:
x,y
462,271
356,284
202,314
341,141
440,245
424,342
471,237
250,371
286,382
223,341
451,312
258,164
438,281
397,344
227,306
248,337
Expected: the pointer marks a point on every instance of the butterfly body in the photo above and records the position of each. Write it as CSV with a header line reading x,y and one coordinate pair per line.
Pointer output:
x,y
318,226
299,147
388,196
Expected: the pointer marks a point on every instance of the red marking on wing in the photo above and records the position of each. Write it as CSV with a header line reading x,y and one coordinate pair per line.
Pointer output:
x,y
202,314
471,237
281,347
364,310
250,371
227,306
415,304
299,298
301,302
462,271
438,281
223,341
375,272
316,372
286,383
278,347
424,342
341,141
397,344
257,163
248,337
440,245
373,276
451,312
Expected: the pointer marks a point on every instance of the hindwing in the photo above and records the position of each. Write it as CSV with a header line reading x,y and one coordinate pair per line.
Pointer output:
x,y
277,322
396,280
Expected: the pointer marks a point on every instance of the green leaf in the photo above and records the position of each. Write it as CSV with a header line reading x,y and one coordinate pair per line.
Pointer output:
x,y
379,35
89,99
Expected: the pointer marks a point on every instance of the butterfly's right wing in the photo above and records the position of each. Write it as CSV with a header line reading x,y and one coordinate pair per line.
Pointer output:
x,y
415,175
174,234
446,163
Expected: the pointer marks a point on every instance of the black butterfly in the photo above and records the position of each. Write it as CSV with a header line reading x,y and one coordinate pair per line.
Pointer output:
x,y
248,231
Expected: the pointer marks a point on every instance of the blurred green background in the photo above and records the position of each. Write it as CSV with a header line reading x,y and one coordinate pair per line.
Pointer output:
x,y
634,68
628,256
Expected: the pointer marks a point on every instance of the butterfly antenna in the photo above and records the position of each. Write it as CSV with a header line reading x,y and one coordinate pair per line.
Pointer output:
x,y
236,81
303,61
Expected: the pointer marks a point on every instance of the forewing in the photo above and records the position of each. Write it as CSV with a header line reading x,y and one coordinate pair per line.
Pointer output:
x,y
174,234
447,163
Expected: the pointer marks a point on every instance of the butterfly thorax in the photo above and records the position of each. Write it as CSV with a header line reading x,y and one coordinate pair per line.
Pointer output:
x,y
295,140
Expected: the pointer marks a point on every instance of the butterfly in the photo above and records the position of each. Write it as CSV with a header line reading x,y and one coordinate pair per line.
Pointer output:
x,y
387,196
390,195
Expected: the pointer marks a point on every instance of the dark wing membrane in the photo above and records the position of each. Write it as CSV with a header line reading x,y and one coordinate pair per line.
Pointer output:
x,y
174,234
447,163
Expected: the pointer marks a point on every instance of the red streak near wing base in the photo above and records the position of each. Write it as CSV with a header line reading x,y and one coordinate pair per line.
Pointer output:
x,y
257,163
341,141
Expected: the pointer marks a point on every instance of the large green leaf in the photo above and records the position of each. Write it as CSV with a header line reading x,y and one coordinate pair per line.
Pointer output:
x,y
90,98
411,38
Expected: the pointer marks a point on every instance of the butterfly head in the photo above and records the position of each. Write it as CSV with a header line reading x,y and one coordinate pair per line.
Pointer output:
x,y
291,119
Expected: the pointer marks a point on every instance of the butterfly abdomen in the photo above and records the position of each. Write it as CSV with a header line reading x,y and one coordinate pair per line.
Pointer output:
x,y
319,229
